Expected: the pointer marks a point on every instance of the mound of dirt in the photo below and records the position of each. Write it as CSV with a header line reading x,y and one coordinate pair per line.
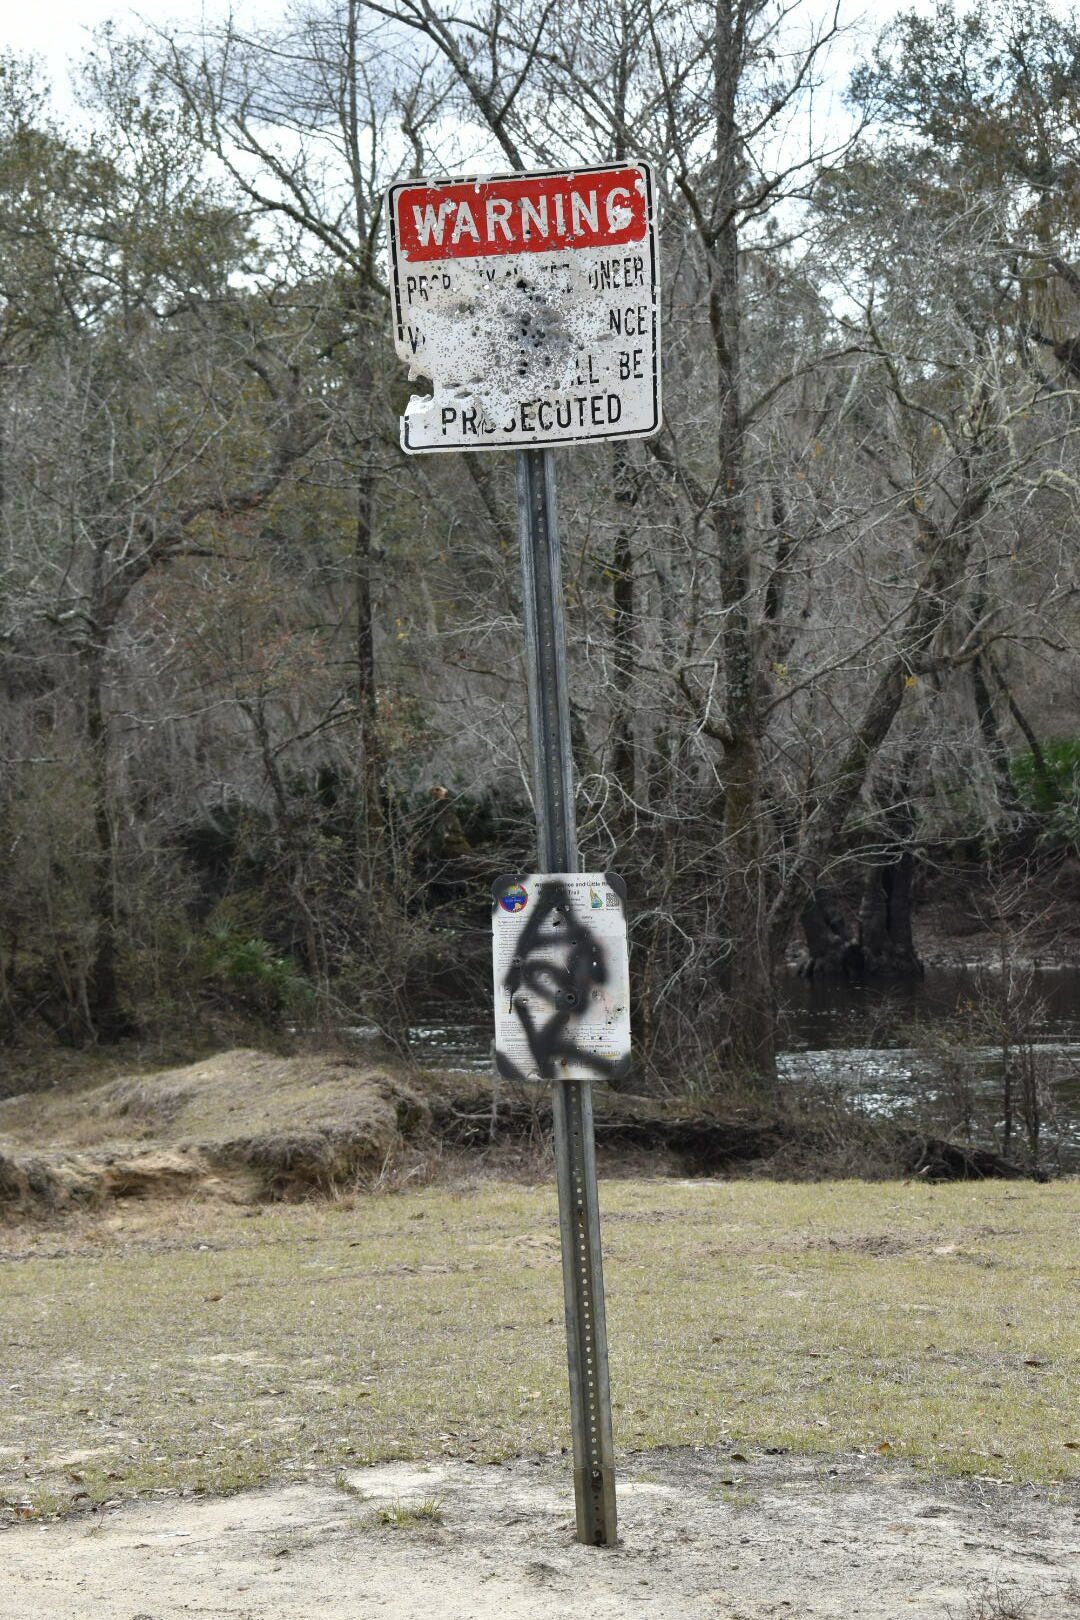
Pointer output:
x,y
242,1124
248,1125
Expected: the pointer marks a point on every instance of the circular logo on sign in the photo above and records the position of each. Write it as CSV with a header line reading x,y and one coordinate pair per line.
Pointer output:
x,y
515,899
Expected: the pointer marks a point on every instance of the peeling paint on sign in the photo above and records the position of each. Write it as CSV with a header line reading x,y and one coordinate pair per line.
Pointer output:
x,y
530,301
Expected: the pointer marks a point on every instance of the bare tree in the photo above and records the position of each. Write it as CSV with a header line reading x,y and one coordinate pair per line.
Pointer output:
x,y
126,446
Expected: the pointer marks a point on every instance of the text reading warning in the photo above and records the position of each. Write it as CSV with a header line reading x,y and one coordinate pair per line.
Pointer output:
x,y
531,214
531,301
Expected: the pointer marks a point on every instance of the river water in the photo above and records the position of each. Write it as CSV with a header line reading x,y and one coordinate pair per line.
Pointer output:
x,y
928,1053
935,1052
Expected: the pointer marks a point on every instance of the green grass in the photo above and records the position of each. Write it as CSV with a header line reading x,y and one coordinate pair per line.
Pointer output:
x,y
193,1348
404,1515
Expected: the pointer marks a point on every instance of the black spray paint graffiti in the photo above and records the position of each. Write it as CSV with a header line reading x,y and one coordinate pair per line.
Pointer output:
x,y
560,961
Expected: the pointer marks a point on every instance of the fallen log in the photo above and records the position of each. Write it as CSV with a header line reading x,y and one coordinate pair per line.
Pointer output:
x,y
936,1159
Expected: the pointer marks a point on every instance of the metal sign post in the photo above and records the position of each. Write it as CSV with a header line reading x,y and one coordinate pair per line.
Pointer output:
x,y
531,302
571,1102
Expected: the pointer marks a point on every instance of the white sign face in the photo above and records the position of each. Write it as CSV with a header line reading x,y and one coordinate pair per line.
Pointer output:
x,y
562,976
531,301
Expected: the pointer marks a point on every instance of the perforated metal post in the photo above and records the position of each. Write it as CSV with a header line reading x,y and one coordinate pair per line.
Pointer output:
x,y
575,1145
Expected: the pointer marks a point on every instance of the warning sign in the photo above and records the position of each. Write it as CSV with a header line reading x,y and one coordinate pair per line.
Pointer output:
x,y
530,301
562,977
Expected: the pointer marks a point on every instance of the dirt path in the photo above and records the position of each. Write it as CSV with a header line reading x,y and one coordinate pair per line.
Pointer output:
x,y
701,1535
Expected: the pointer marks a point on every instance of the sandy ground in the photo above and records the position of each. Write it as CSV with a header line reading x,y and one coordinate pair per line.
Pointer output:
x,y
701,1534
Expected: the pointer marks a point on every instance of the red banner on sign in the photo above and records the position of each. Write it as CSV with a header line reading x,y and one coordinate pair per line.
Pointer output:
x,y
538,213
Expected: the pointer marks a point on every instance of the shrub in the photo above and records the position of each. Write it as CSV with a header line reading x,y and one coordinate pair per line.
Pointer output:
x,y
1050,786
252,975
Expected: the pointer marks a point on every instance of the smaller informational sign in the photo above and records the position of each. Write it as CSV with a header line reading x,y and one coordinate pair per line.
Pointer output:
x,y
562,976
531,301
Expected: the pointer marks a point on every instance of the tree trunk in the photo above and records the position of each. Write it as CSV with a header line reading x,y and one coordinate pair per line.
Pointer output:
x,y
372,809
752,1010
381,921
624,639
107,1019
886,944
292,842
1042,772
934,601
991,736
829,943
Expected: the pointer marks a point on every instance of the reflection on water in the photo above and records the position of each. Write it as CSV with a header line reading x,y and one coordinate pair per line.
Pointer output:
x,y
925,1053
839,1012
917,1052
960,1094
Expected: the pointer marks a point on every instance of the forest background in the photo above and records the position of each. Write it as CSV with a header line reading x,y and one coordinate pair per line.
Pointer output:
x,y
262,711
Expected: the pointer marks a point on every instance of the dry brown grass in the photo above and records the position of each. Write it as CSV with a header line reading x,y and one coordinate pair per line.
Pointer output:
x,y
208,1347
300,1123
